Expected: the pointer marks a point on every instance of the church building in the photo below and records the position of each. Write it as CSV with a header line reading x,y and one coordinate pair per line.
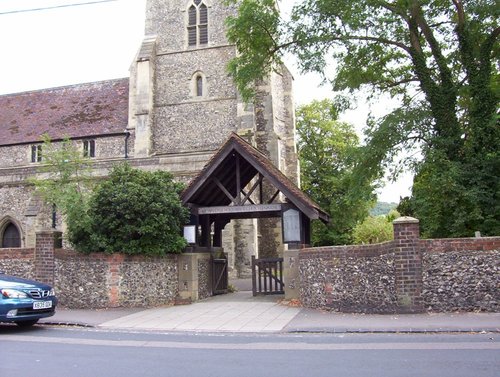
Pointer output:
x,y
176,109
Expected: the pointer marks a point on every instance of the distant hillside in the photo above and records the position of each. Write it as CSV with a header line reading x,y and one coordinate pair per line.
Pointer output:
x,y
382,208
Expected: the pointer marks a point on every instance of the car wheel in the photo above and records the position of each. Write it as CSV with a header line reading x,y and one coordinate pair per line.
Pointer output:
x,y
26,323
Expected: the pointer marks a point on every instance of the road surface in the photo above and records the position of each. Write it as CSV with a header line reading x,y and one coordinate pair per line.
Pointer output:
x,y
77,352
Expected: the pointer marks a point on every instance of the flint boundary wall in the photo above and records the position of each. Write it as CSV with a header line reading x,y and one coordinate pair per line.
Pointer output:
x,y
98,280
407,275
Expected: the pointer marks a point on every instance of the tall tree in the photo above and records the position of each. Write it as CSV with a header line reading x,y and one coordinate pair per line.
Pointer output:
x,y
436,57
328,151
65,184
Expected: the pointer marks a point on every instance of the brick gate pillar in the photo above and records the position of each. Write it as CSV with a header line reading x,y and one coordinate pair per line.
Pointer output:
x,y
408,265
46,242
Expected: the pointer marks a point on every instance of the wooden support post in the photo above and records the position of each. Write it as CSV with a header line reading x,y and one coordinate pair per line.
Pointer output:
x,y
218,227
205,230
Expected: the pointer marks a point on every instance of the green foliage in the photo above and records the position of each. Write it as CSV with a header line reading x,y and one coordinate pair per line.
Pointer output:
x,y
453,200
382,208
134,211
137,212
259,20
328,154
392,215
66,183
405,207
375,229
66,174
435,57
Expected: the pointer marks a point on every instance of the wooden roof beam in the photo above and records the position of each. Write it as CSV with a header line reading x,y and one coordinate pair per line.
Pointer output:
x,y
224,190
252,189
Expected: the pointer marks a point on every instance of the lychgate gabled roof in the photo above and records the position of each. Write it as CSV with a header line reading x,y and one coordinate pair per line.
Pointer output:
x,y
222,183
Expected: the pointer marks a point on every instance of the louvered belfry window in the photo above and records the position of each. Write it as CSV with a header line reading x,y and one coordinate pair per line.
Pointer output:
x,y
203,24
197,24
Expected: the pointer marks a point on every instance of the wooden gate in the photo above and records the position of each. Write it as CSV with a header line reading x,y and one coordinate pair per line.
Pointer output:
x,y
267,276
219,274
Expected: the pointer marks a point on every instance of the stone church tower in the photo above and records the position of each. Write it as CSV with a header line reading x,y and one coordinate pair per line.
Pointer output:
x,y
183,105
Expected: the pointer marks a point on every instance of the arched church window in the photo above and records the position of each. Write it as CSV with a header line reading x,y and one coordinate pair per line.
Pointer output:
x,y
197,23
11,236
199,86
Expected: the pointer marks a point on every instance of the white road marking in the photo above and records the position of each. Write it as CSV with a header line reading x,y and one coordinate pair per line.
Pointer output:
x,y
258,346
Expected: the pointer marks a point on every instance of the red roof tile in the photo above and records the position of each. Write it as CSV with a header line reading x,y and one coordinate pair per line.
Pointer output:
x,y
97,108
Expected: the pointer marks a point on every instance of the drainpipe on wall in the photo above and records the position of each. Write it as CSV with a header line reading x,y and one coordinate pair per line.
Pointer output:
x,y
127,135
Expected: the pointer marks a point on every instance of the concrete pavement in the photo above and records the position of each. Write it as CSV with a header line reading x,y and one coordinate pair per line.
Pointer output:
x,y
241,312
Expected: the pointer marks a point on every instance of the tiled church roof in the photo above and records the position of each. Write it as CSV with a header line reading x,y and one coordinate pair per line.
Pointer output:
x,y
98,108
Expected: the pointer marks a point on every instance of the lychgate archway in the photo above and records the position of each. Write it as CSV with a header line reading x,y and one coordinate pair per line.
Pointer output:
x,y
230,187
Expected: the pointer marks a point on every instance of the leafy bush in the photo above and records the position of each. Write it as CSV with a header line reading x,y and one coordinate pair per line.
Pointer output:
x,y
375,229
135,212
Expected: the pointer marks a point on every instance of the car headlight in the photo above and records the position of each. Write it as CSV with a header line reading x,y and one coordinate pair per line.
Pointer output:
x,y
52,292
13,293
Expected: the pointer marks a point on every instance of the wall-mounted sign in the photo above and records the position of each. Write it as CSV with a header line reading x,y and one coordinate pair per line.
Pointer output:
x,y
291,226
190,234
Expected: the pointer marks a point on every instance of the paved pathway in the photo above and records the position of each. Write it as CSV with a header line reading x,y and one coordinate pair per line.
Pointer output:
x,y
235,312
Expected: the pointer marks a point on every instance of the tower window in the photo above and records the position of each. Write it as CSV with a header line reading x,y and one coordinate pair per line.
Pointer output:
x,y
89,148
36,153
192,26
203,25
11,236
197,23
199,86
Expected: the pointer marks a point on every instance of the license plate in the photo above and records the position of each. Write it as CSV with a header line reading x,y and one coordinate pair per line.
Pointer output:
x,y
42,305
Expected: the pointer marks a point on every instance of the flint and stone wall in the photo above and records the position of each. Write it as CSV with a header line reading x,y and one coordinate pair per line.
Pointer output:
x,y
204,278
100,280
97,280
404,275
348,278
458,280
18,262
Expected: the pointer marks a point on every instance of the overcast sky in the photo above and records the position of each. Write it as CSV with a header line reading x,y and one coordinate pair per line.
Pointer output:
x,y
73,44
